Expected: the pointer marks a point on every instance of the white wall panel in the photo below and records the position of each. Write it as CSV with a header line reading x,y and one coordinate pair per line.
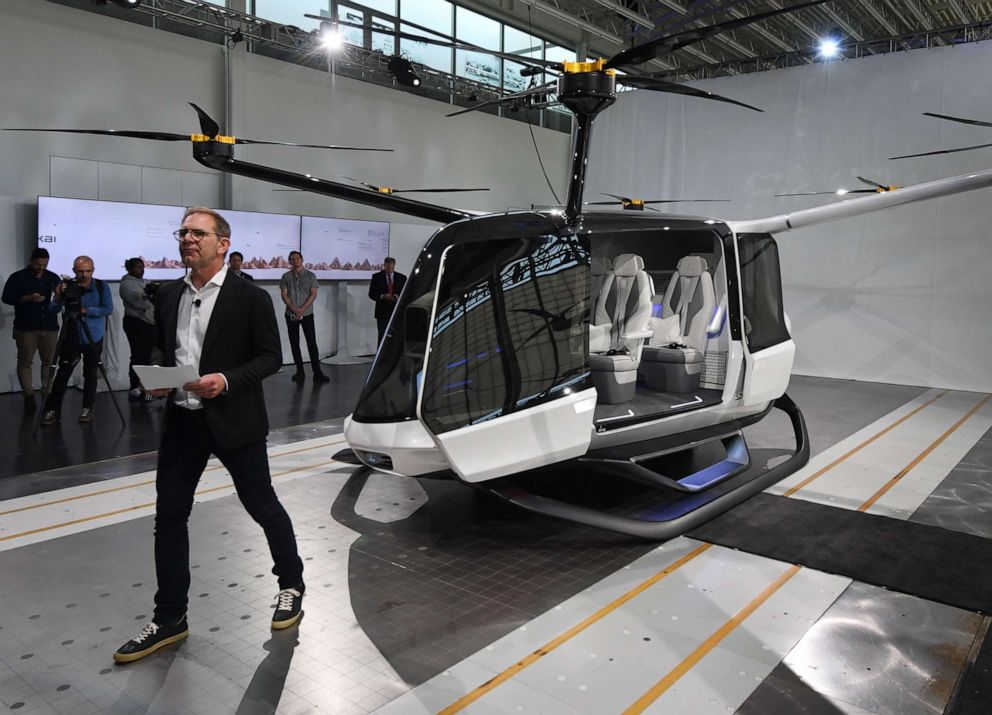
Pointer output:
x,y
102,73
900,296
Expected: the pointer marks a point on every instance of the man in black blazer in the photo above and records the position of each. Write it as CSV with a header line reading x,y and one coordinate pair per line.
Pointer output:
x,y
234,262
385,289
226,328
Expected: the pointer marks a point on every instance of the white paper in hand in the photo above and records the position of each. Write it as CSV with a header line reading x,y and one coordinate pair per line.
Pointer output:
x,y
156,377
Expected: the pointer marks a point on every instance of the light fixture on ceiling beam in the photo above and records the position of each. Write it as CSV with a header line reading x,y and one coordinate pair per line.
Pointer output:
x,y
402,69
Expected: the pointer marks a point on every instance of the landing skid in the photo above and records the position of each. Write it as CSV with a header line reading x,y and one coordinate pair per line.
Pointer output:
x,y
693,498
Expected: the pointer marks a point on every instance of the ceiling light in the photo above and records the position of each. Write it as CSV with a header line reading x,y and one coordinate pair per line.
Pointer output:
x,y
330,38
403,71
829,47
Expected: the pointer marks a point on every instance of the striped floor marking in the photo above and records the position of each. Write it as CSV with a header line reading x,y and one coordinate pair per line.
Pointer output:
x,y
844,457
151,505
147,482
551,645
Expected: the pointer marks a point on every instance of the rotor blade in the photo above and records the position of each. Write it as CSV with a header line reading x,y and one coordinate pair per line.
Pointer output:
x,y
431,191
157,136
863,180
670,43
311,146
694,201
660,85
975,122
842,192
618,198
207,125
602,203
468,47
941,151
540,89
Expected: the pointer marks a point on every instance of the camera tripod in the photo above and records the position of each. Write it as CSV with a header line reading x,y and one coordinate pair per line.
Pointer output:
x,y
72,317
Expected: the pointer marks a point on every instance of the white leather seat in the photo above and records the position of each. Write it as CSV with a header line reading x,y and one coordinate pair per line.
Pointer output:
x,y
620,328
676,366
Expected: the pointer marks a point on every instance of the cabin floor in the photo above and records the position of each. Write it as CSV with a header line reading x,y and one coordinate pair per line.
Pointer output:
x,y
653,404
426,595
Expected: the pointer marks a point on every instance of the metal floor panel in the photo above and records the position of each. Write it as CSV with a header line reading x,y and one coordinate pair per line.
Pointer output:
x,y
435,580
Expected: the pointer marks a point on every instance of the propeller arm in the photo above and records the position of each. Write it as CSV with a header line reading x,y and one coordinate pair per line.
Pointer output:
x,y
217,156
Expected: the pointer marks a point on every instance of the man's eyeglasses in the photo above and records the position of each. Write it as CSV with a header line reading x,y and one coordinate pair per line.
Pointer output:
x,y
195,234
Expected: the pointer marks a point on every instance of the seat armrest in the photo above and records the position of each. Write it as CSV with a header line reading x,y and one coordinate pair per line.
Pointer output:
x,y
637,335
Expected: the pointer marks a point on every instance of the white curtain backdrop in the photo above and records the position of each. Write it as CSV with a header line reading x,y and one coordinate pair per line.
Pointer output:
x,y
900,296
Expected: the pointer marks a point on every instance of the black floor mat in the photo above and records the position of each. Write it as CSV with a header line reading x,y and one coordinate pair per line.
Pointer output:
x,y
926,561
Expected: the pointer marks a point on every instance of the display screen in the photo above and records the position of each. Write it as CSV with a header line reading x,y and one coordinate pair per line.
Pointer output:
x,y
342,249
265,241
110,232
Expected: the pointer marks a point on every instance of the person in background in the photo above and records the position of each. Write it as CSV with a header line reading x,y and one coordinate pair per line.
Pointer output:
x,y
36,328
90,307
234,262
298,287
137,294
384,289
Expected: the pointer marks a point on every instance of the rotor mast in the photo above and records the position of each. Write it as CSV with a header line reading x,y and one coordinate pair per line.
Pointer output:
x,y
586,89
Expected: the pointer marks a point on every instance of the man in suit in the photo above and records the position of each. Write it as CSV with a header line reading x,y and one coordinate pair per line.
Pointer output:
x,y
234,262
384,289
225,328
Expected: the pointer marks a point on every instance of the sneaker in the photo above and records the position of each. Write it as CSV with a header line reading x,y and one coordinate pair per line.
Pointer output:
x,y
320,377
50,417
152,637
289,608
149,398
86,415
136,393
299,376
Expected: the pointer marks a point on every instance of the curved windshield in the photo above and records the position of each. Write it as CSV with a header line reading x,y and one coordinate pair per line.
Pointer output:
x,y
510,331
390,392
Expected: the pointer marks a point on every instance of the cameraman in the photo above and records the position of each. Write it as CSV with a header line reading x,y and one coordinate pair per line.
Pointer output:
x,y
138,296
87,302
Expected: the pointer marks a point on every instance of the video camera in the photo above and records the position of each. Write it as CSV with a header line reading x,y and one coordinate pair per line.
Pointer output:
x,y
72,293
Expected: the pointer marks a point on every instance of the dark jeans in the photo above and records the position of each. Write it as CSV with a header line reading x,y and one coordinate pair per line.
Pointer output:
x,y
186,445
68,358
141,338
293,326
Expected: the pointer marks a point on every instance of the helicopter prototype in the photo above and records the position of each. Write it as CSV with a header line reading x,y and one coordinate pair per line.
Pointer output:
x,y
639,345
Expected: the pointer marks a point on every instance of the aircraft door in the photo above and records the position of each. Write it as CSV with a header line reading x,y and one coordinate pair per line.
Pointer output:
x,y
506,383
768,348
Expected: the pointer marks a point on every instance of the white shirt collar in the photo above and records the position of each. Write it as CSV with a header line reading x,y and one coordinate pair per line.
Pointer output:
x,y
217,279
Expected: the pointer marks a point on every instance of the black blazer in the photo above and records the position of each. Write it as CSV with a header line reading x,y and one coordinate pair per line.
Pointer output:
x,y
242,342
384,308
246,276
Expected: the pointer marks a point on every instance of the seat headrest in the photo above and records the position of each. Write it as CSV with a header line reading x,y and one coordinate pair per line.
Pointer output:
x,y
692,266
599,265
627,264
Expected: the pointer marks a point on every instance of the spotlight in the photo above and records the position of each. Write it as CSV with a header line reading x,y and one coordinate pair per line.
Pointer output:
x,y
330,39
829,47
403,71
236,37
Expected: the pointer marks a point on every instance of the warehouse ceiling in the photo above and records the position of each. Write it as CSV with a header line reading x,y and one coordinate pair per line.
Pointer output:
x,y
863,27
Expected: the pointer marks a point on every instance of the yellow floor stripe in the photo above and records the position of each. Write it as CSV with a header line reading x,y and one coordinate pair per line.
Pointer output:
x,y
673,676
921,456
149,481
824,470
151,504
498,680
